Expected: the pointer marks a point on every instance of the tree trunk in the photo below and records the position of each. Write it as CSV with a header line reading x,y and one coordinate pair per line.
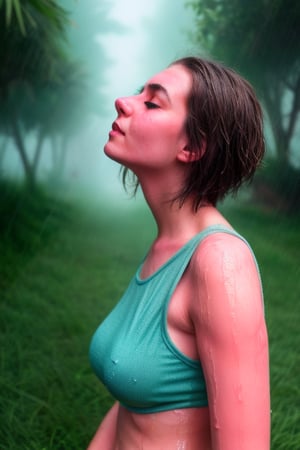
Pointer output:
x,y
55,150
2,153
274,94
59,154
63,155
37,153
295,109
19,141
272,101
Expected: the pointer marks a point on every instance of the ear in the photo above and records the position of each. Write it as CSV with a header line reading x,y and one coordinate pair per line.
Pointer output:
x,y
187,155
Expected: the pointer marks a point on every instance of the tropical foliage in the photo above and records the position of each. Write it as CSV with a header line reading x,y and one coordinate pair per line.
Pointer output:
x,y
32,55
47,87
27,13
261,39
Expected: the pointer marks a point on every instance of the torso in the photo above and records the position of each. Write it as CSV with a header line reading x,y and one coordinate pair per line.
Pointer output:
x,y
182,429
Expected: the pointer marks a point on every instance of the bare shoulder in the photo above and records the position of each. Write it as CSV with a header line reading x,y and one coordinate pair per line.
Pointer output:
x,y
220,252
226,284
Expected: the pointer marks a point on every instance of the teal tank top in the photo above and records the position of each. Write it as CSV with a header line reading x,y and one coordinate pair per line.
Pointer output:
x,y
131,351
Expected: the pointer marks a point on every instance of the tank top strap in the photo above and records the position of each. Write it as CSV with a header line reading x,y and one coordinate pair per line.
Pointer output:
x,y
181,259
179,262
172,270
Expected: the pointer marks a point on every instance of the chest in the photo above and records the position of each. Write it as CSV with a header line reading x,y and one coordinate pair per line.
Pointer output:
x,y
178,320
132,353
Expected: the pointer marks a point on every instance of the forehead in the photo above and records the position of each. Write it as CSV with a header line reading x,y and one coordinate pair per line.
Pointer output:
x,y
176,80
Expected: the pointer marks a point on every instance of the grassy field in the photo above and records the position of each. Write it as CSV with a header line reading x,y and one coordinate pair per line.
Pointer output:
x,y
63,268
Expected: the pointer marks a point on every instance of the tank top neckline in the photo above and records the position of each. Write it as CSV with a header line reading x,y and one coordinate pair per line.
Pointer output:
x,y
202,234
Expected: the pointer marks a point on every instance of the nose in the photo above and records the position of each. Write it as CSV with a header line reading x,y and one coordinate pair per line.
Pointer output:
x,y
123,106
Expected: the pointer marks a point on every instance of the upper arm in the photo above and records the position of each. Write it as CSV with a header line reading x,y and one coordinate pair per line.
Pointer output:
x,y
227,313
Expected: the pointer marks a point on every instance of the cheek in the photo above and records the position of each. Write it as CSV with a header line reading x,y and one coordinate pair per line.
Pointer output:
x,y
152,131
145,123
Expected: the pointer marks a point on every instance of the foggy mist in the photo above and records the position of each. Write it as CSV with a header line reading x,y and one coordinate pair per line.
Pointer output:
x,y
116,46
72,238
133,43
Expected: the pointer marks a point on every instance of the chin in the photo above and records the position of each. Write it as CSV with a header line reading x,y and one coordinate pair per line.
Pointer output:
x,y
108,151
112,155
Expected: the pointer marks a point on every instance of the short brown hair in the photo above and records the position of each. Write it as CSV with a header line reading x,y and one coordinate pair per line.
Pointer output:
x,y
225,117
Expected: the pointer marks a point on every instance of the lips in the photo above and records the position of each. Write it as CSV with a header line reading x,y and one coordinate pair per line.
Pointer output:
x,y
116,128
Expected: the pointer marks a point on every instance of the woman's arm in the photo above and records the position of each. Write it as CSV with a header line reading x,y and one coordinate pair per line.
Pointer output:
x,y
105,435
232,342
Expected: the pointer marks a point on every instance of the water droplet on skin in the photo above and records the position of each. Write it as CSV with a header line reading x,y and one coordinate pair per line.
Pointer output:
x,y
133,380
181,445
111,375
216,426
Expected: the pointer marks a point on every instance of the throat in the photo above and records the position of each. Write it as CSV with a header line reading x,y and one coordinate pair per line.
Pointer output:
x,y
161,251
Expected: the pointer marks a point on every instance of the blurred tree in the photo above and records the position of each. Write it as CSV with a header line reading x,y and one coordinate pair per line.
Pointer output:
x,y
81,102
31,51
70,113
57,110
261,39
89,22
51,65
24,13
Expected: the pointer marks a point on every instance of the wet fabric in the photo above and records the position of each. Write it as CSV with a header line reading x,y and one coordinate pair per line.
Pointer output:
x,y
131,351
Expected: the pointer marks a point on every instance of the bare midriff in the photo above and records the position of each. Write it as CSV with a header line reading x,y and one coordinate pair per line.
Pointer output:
x,y
180,429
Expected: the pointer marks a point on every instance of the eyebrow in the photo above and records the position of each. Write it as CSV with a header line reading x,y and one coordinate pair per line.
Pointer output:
x,y
156,87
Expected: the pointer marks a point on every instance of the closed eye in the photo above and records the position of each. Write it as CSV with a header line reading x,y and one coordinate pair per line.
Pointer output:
x,y
151,105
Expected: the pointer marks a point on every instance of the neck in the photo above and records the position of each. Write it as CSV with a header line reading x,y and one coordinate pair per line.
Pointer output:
x,y
174,222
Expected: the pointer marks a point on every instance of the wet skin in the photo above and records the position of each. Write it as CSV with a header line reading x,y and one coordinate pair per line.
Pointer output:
x,y
215,314
231,343
183,429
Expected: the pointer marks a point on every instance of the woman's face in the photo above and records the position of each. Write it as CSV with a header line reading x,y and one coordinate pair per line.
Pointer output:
x,y
149,131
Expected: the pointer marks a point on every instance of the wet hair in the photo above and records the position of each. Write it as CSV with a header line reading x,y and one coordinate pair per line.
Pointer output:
x,y
224,126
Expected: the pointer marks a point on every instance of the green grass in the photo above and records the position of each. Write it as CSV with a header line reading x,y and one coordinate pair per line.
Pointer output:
x,y
63,268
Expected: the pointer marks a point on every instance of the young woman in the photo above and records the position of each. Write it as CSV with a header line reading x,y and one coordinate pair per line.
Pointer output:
x,y
185,351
